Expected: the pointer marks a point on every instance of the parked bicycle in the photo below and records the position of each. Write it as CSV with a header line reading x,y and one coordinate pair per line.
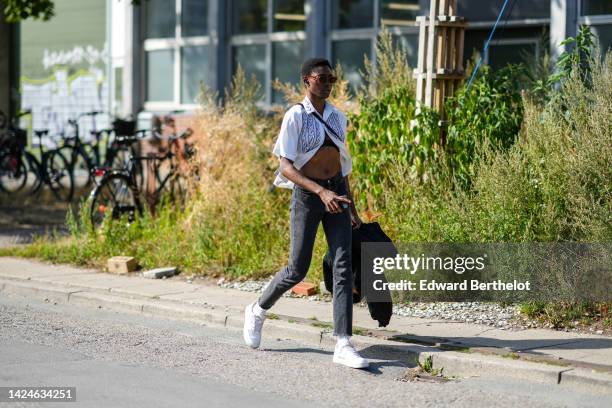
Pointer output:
x,y
83,156
107,148
13,171
20,168
118,191
52,170
122,145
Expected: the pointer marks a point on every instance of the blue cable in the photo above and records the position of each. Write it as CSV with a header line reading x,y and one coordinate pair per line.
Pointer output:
x,y
487,44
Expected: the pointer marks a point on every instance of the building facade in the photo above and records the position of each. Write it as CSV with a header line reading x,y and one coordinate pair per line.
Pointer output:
x,y
180,43
154,57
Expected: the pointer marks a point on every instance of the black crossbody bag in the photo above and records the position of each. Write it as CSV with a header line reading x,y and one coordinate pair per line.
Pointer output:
x,y
320,119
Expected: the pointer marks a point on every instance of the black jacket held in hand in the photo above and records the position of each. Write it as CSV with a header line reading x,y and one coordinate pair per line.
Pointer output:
x,y
370,232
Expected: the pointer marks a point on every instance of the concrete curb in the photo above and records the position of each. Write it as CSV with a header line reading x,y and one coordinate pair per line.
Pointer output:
x,y
454,363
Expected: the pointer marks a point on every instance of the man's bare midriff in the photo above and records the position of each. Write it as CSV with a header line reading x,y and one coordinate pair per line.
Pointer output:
x,y
324,164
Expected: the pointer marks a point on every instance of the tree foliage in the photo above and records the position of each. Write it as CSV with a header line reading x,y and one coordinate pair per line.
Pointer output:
x,y
18,10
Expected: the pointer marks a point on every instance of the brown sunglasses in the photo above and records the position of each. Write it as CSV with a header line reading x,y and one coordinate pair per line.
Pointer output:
x,y
324,79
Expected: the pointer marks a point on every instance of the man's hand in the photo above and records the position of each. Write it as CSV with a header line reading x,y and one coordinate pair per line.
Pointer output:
x,y
333,202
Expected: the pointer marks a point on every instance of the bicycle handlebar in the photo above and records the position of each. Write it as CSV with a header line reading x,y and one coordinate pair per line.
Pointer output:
x,y
183,135
142,133
75,122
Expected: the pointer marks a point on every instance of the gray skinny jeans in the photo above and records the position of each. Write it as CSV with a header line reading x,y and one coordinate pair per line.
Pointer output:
x,y
307,210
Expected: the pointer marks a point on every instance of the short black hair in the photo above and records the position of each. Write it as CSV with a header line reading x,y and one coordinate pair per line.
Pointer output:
x,y
312,63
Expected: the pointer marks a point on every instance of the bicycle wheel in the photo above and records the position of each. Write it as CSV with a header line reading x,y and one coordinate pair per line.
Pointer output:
x,y
113,197
35,175
13,173
58,175
80,166
120,159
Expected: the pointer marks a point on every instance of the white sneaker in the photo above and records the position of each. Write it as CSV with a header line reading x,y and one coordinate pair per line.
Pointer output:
x,y
346,354
252,326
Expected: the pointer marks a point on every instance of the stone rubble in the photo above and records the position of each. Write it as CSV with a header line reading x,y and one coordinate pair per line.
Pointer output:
x,y
490,314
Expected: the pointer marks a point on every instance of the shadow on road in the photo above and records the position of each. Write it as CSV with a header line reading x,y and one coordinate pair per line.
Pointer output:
x,y
22,219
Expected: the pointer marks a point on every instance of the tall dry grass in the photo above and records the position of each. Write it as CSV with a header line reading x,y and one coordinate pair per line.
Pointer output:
x,y
240,224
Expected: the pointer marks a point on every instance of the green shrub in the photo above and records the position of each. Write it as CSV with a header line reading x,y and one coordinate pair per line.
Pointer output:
x,y
379,135
387,133
553,184
580,57
566,314
490,112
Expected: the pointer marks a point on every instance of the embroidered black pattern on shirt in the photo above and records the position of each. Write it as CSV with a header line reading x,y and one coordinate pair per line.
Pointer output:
x,y
309,136
334,123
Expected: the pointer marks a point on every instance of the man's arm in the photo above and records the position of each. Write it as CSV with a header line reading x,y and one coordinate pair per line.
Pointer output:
x,y
291,173
330,199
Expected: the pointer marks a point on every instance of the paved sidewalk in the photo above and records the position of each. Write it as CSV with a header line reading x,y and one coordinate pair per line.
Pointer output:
x,y
461,346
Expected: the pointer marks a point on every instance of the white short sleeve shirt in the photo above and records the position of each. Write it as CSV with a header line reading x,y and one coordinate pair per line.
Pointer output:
x,y
302,134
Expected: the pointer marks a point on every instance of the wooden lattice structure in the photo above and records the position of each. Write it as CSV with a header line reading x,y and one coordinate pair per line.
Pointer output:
x,y
440,64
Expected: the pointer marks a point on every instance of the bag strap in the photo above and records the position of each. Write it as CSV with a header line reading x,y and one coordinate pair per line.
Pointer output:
x,y
316,114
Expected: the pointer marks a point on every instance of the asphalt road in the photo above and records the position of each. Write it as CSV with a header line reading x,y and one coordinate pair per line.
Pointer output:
x,y
124,360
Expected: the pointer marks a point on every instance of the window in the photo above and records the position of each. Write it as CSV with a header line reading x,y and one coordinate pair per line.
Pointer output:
x,y
176,52
160,21
289,15
598,15
249,16
287,62
356,25
488,10
252,58
194,18
595,7
194,72
350,53
510,51
269,45
160,75
398,12
604,35
352,13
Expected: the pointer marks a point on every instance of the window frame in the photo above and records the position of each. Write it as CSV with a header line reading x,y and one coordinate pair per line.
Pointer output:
x,y
267,39
175,44
372,33
511,41
520,23
400,27
592,20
